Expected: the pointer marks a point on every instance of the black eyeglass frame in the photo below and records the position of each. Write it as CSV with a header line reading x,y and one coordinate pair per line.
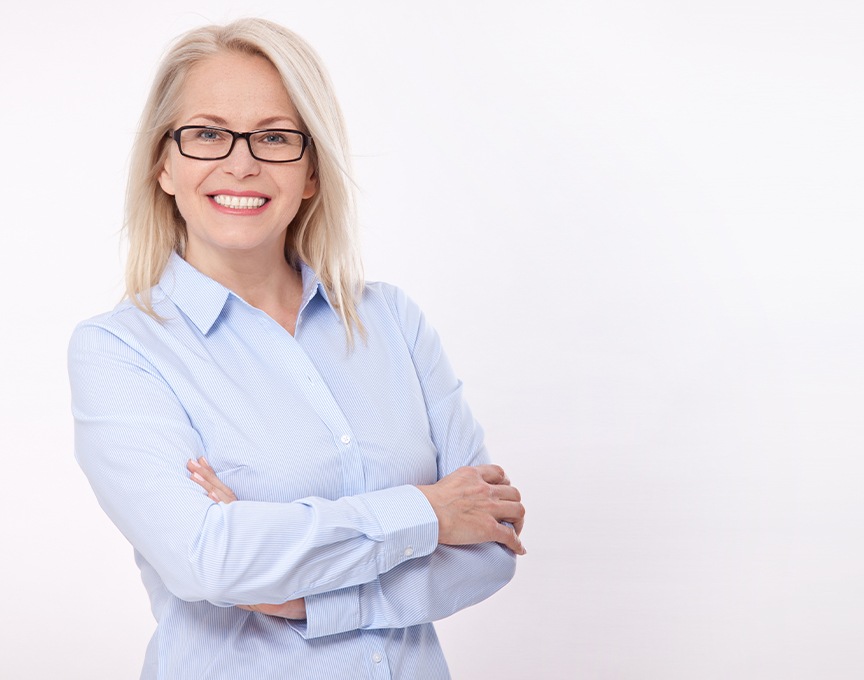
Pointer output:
x,y
175,135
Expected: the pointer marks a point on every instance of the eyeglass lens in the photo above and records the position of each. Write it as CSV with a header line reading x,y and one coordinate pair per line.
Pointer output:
x,y
269,145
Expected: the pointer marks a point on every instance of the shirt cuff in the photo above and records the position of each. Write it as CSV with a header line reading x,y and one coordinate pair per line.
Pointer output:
x,y
409,527
329,613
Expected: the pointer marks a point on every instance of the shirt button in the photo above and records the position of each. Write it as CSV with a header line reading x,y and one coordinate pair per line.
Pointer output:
x,y
408,552
376,657
346,439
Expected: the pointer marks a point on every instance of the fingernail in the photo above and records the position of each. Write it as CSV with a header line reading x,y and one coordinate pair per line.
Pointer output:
x,y
195,475
204,461
194,462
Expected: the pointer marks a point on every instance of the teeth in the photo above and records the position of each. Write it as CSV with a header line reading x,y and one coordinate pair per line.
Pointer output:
x,y
249,202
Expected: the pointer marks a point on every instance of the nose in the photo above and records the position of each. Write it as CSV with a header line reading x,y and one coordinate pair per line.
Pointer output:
x,y
240,161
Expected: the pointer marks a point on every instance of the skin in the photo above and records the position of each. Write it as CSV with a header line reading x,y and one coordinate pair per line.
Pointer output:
x,y
470,504
245,252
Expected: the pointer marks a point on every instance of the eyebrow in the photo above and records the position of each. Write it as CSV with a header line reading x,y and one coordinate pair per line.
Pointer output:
x,y
218,120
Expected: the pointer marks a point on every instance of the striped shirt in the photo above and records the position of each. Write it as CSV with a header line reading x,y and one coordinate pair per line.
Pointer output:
x,y
323,448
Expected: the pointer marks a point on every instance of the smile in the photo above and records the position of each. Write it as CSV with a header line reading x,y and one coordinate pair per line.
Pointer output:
x,y
239,202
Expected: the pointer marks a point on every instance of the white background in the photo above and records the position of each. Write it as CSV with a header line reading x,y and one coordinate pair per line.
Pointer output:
x,y
638,228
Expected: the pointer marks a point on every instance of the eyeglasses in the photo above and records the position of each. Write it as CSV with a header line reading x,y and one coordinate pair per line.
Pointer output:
x,y
209,143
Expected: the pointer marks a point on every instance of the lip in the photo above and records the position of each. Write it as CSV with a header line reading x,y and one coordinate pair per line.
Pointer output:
x,y
229,192
248,212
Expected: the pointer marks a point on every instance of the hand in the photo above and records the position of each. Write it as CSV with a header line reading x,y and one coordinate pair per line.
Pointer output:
x,y
471,504
292,609
205,477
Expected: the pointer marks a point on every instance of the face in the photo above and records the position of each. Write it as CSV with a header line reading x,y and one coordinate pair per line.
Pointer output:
x,y
241,93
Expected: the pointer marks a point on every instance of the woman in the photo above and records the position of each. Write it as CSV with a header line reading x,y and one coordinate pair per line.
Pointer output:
x,y
250,352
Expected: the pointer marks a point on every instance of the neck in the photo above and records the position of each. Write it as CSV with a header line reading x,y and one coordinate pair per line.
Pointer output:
x,y
263,279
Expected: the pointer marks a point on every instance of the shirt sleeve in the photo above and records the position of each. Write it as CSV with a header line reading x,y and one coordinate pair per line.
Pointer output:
x,y
133,438
451,578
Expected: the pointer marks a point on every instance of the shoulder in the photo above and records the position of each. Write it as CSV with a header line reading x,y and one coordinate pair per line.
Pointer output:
x,y
379,292
386,303
112,322
386,296
126,324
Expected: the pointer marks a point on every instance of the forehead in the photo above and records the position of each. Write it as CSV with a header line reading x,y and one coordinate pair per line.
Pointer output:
x,y
238,88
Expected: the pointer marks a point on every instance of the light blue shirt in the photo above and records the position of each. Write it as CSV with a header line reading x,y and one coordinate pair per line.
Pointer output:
x,y
322,447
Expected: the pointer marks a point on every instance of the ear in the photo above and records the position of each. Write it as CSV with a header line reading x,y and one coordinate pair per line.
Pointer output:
x,y
311,186
166,178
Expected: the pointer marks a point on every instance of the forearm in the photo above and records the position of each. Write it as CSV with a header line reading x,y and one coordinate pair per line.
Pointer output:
x,y
252,552
133,439
422,590
249,552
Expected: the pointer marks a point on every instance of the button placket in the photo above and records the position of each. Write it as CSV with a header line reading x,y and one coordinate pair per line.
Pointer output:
x,y
318,395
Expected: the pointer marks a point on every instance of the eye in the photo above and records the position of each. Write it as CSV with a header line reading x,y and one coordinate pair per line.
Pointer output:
x,y
275,138
207,135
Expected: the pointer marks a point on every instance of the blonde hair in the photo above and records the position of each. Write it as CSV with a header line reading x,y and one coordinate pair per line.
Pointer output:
x,y
323,234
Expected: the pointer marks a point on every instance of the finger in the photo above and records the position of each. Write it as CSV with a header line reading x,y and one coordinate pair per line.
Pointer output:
x,y
508,537
518,525
216,491
505,492
192,465
507,511
200,481
215,484
213,493
493,474
220,497
194,469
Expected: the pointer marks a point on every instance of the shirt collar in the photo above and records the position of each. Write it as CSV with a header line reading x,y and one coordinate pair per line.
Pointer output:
x,y
198,296
202,299
312,285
